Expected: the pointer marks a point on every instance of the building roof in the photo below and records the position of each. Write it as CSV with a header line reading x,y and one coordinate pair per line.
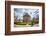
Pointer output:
x,y
26,15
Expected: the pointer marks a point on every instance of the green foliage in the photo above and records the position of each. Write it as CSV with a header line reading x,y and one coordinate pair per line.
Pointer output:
x,y
22,23
32,22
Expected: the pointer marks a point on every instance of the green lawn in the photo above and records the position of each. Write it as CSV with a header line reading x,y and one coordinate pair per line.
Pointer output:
x,y
22,23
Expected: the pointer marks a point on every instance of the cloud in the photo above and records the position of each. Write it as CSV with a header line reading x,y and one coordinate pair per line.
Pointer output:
x,y
20,11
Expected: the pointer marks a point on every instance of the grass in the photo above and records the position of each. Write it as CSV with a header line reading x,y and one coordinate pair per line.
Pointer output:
x,y
22,23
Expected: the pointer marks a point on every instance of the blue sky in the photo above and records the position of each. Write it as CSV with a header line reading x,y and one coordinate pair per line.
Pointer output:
x,y
21,11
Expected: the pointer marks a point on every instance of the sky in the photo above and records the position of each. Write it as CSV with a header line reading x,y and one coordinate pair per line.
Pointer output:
x,y
21,11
